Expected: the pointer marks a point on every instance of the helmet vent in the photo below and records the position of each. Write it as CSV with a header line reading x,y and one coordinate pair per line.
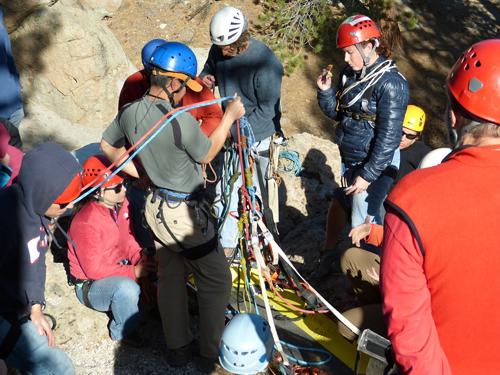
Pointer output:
x,y
475,85
473,54
466,67
232,35
477,64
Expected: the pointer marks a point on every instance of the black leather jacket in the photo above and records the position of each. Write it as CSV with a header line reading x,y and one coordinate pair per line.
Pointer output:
x,y
370,145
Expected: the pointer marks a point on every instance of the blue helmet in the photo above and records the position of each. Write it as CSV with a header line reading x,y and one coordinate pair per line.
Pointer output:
x,y
176,60
147,51
246,345
175,57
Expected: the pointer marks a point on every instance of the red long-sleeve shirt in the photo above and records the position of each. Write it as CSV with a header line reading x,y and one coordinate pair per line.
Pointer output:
x,y
137,85
407,303
101,243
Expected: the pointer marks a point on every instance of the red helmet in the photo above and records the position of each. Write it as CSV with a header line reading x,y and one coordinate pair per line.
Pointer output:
x,y
94,167
72,191
356,29
474,80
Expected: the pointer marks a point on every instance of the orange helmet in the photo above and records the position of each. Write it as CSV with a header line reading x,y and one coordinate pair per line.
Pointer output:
x,y
356,29
94,167
474,80
72,191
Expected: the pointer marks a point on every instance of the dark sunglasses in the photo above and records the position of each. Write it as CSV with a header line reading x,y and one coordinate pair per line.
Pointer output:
x,y
117,188
411,137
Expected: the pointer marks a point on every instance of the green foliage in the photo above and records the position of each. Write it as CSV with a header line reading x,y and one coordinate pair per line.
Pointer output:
x,y
290,26
293,26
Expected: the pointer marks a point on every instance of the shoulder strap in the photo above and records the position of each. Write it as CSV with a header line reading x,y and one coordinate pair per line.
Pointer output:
x,y
176,127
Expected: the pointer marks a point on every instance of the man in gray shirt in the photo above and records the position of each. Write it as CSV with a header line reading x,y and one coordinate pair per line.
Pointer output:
x,y
174,210
238,63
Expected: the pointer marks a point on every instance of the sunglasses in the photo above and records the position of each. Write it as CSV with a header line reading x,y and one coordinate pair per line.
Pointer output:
x,y
410,137
117,188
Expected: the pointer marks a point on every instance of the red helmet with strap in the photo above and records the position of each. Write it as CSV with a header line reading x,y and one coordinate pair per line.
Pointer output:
x,y
72,191
94,167
356,29
474,80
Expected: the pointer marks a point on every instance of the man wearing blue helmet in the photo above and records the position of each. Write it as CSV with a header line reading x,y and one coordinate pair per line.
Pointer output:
x,y
134,88
175,209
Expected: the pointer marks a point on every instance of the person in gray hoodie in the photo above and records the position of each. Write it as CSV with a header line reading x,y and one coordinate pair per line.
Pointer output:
x,y
238,63
49,180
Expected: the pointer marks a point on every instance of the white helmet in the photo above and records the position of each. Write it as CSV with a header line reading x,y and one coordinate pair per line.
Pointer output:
x,y
227,25
434,157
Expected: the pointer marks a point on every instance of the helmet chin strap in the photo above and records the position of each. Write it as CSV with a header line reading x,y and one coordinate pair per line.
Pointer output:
x,y
171,94
100,198
366,59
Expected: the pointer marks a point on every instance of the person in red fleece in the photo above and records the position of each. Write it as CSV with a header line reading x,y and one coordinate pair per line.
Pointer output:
x,y
104,258
137,84
440,259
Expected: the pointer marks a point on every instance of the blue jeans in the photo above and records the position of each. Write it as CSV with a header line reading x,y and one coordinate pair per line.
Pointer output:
x,y
16,117
229,231
32,355
371,202
120,295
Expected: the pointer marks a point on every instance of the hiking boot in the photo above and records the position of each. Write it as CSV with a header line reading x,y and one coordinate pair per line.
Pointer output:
x,y
180,357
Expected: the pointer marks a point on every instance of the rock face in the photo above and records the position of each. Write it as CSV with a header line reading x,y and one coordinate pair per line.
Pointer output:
x,y
72,66
305,198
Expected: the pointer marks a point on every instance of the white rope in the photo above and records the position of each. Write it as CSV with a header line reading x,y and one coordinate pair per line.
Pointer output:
x,y
372,78
260,269
283,256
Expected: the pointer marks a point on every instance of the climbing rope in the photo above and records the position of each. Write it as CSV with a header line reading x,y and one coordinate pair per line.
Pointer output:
x,y
289,162
143,142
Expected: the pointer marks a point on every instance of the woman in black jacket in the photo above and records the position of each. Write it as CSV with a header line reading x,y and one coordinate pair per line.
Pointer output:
x,y
369,103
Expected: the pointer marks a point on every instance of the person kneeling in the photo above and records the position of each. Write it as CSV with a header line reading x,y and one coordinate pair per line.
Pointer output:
x,y
105,259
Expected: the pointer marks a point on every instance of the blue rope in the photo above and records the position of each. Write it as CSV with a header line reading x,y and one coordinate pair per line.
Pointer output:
x,y
294,166
149,139
246,130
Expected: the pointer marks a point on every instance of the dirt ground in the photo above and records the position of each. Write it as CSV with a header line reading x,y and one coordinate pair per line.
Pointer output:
x,y
430,50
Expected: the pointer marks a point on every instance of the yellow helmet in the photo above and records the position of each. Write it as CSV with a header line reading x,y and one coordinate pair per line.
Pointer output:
x,y
414,118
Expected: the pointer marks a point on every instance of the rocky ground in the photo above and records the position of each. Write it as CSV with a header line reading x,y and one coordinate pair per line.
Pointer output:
x,y
73,56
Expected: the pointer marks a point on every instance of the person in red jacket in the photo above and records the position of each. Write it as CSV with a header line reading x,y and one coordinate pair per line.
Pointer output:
x,y
137,84
104,258
440,259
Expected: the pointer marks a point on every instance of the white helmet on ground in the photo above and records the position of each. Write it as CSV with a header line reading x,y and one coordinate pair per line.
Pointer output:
x,y
434,157
227,25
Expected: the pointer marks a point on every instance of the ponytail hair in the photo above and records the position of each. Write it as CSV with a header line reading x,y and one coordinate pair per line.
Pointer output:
x,y
391,41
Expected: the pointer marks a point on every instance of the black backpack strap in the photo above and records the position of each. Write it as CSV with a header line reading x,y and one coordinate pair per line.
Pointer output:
x,y
176,128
